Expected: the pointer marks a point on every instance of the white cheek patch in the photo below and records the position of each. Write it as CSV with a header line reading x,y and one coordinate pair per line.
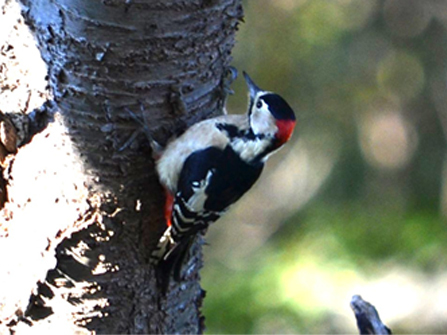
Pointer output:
x,y
262,121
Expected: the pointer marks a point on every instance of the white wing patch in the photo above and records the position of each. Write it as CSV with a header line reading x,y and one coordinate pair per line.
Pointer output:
x,y
197,201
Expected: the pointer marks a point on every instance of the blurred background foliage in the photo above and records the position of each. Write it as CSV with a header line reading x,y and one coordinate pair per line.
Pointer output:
x,y
357,203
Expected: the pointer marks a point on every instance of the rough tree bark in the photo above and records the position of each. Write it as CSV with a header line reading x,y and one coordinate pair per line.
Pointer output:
x,y
82,216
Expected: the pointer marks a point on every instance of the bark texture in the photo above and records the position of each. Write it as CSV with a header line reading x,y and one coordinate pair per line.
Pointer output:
x,y
92,213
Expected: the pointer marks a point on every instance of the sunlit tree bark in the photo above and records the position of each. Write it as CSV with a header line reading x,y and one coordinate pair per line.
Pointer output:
x,y
84,209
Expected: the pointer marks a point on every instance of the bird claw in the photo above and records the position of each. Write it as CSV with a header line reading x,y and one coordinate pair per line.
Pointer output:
x,y
157,149
230,76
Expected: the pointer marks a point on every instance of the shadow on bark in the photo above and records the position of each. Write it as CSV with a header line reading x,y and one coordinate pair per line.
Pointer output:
x,y
100,209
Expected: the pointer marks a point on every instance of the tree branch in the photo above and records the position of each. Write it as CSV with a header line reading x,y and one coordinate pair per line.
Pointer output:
x,y
368,320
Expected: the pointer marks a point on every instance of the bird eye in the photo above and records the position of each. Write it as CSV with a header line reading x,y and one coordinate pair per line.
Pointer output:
x,y
259,104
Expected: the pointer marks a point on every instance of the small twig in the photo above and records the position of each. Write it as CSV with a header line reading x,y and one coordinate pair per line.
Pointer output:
x,y
368,320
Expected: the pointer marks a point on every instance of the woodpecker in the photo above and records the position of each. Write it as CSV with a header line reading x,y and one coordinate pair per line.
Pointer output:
x,y
212,164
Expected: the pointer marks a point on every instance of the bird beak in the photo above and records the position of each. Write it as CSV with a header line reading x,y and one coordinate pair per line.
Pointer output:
x,y
253,89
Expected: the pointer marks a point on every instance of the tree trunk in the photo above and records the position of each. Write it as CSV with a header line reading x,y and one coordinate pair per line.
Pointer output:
x,y
82,216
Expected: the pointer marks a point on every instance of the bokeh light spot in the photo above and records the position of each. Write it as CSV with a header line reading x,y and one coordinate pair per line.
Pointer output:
x,y
407,18
387,140
401,74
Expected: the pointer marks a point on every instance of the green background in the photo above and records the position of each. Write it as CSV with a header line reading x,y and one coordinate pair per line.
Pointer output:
x,y
356,204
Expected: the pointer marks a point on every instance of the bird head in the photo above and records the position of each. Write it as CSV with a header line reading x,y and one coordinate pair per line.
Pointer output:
x,y
269,114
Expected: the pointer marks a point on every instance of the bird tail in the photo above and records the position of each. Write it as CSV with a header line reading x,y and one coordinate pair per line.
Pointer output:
x,y
169,256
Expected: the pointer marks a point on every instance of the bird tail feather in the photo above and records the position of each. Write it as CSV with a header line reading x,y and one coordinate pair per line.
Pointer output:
x,y
169,257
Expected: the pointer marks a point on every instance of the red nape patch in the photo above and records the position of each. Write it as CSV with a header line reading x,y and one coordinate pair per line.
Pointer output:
x,y
168,207
285,130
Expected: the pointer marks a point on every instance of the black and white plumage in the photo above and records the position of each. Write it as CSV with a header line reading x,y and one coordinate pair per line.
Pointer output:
x,y
215,162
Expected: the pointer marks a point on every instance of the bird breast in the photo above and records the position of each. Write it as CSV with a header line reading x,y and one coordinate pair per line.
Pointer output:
x,y
200,136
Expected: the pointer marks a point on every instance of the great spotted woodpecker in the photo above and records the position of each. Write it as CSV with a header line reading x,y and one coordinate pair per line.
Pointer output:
x,y
210,166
